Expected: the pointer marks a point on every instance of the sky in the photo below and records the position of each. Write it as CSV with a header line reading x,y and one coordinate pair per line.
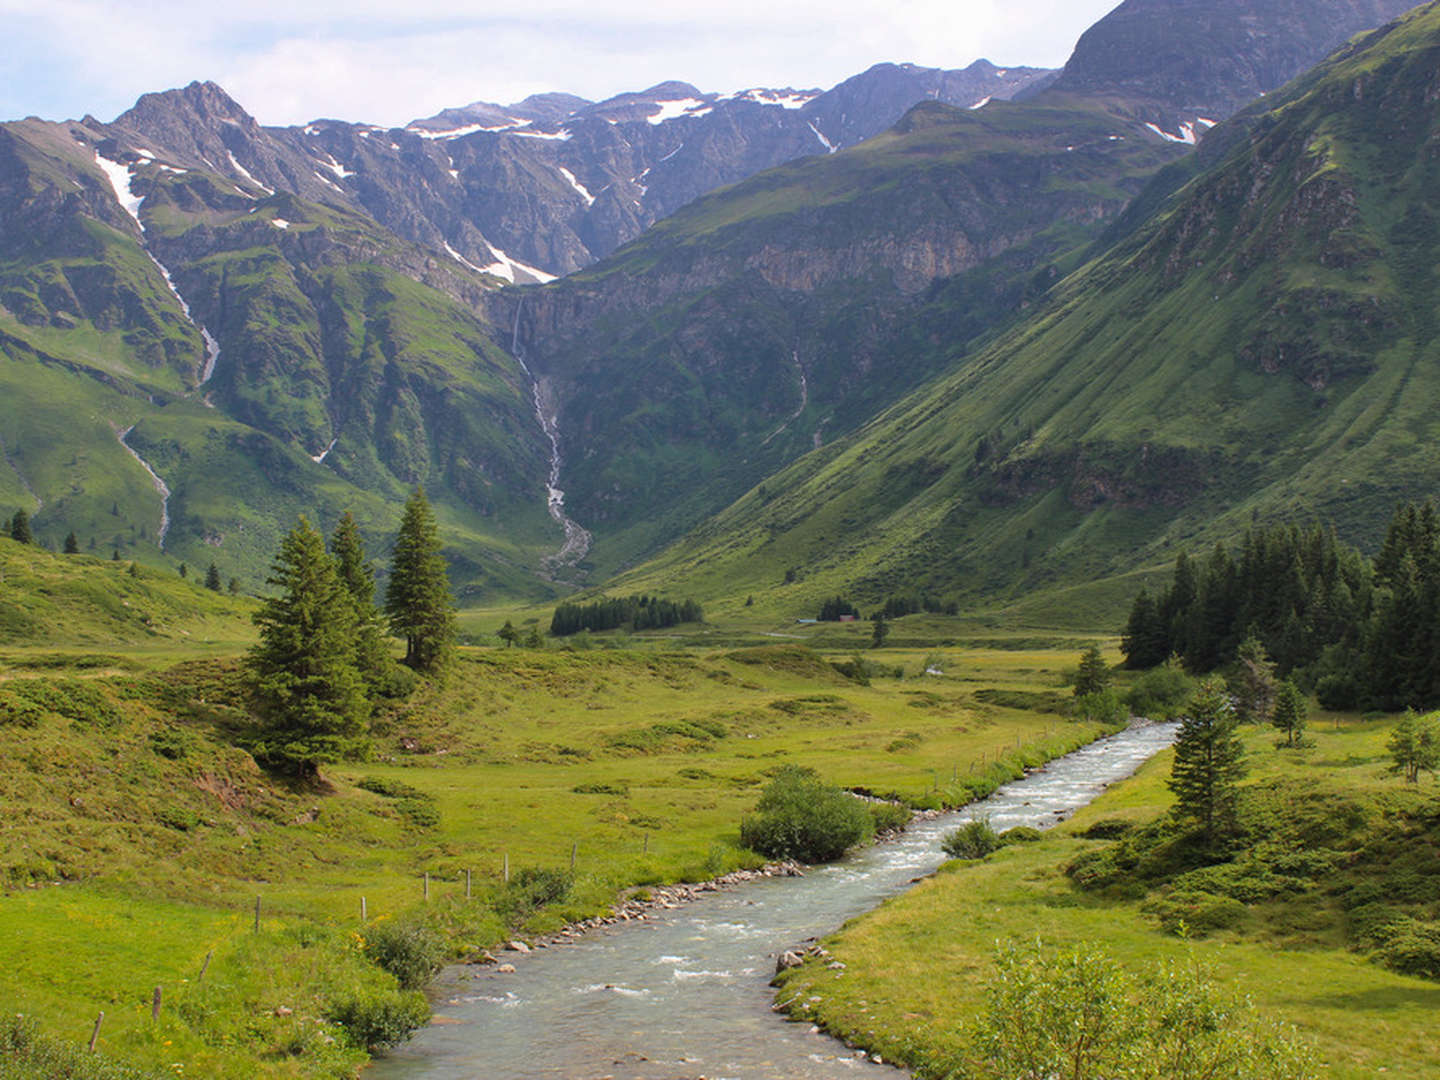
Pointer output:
x,y
391,61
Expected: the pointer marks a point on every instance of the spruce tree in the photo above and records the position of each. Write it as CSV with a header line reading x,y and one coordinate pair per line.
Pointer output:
x,y
303,679
20,528
1253,683
72,544
1209,760
212,578
509,634
1414,746
1290,713
1146,641
1094,674
372,654
418,598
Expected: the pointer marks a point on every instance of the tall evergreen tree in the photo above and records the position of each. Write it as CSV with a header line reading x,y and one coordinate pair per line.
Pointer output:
x,y
372,654
212,579
72,544
418,598
1209,760
1094,674
20,528
1253,683
303,678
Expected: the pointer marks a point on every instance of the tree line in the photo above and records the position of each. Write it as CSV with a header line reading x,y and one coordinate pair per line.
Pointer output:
x,y
323,658
1359,633
639,612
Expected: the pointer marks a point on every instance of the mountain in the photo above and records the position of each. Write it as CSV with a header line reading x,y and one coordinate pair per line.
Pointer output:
x,y
778,314
210,326
1260,348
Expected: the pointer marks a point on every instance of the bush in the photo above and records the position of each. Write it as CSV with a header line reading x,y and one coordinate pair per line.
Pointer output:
x,y
1102,707
889,817
801,817
420,813
376,1019
1161,693
1108,829
973,840
1020,834
1196,912
1410,947
605,789
407,949
26,1054
535,887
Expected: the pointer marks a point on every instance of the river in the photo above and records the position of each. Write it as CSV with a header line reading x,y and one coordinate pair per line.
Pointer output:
x,y
685,994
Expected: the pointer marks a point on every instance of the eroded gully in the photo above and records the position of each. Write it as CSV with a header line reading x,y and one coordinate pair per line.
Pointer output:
x,y
685,994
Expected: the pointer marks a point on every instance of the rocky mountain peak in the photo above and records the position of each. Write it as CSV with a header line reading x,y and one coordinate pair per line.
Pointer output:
x,y
1207,58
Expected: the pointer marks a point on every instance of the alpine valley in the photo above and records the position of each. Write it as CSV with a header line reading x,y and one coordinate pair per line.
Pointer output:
x,y
210,326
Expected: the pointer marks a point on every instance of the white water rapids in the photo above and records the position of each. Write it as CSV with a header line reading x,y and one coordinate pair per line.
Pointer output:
x,y
685,993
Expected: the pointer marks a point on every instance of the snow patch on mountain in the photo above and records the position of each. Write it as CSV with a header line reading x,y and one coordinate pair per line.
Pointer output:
x,y
280,223
785,99
462,260
1186,136
579,187
982,102
245,173
673,110
830,147
122,179
514,271
341,173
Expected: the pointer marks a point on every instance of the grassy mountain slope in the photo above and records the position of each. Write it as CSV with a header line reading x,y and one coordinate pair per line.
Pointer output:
x,y
336,341
1260,348
764,319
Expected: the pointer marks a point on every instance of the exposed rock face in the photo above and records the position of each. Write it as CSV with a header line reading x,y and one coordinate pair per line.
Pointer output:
x,y
1182,60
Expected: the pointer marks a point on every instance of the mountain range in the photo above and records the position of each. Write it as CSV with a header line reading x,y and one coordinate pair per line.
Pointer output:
x,y
903,331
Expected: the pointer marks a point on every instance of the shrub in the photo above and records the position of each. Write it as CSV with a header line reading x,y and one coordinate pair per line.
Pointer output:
x,y
1161,693
889,817
407,949
391,789
376,1019
1108,829
420,813
1410,947
1102,707
1196,912
26,1053
1020,834
973,840
605,789
535,887
799,816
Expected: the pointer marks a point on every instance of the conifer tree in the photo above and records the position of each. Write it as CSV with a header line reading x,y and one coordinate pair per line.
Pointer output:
x,y
212,578
418,598
20,528
1254,682
1290,713
508,634
372,655
303,678
1094,674
1209,760
1414,746
881,632
72,544
1146,641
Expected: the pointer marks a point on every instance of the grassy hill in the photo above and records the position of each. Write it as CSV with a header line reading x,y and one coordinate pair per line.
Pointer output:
x,y
1258,349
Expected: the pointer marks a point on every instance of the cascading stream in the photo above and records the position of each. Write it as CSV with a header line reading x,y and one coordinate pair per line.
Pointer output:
x,y
161,488
686,993
577,538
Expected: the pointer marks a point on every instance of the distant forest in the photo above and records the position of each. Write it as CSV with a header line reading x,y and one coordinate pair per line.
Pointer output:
x,y
635,612
1359,633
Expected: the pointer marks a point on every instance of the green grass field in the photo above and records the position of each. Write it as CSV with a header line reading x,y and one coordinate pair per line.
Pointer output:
x,y
917,967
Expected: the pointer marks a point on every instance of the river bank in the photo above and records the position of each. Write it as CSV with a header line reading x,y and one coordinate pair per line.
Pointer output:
x,y
687,988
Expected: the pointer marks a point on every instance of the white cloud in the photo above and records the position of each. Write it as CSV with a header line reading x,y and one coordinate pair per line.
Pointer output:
x,y
387,61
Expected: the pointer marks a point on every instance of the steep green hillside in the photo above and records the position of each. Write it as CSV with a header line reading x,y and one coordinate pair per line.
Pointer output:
x,y
1261,347
315,363
781,313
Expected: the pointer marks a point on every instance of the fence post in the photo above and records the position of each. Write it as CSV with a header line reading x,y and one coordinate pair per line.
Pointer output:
x,y
257,914
427,884
95,1035
573,849
155,1005
205,966
364,913
507,868
467,884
